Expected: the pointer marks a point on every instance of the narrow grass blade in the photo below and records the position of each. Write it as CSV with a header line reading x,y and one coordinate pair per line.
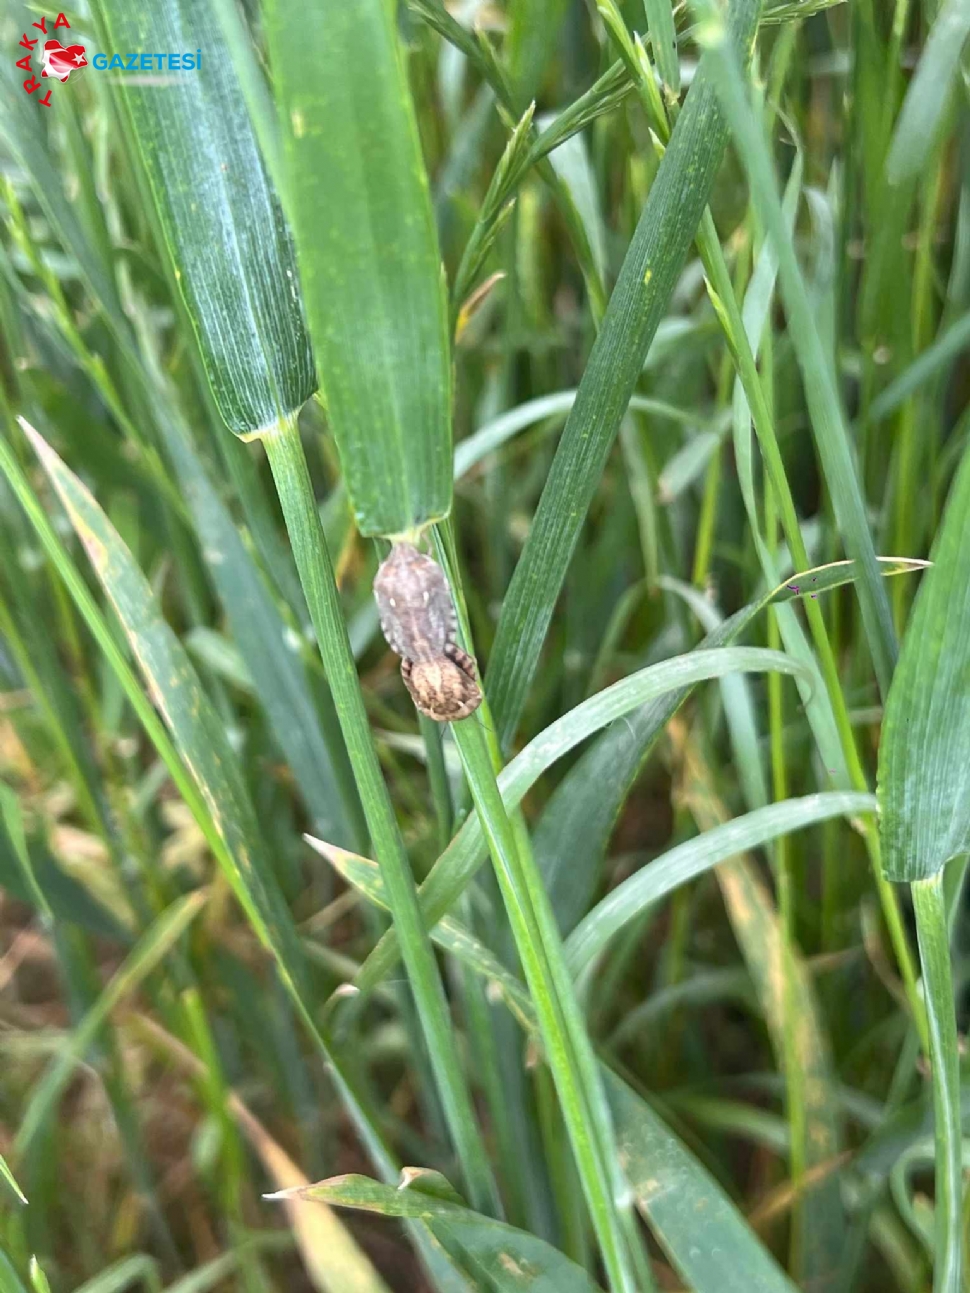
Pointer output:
x,y
929,92
152,947
924,754
693,858
214,788
14,822
11,1181
803,1053
22,127
924,792
663,43
513,1259
319,764
562,1028
500,430
787,998
572,164
828,424
934,949
369,261
947,347
650,270
195,726
449,934
122,1274
221,221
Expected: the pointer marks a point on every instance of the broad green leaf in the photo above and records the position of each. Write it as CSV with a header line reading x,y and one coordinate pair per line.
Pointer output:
x,y
150,949
221,221
924,754
358,197
510,1259
653,262
707,1240
688,860
929,92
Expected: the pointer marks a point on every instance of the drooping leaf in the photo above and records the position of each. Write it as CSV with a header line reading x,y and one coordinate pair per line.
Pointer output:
x,y
459,862
695,856
511,1259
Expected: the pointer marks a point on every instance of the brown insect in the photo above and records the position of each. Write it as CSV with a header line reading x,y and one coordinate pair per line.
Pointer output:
x,y
419,622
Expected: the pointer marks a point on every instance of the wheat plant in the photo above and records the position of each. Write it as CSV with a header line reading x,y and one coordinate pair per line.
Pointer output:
x,y
643,324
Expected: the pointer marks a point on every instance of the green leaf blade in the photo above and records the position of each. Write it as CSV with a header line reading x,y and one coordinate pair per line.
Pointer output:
x,y
512,1260
650,270
219,216
694,857
929,92
708,1241
924,755
369,259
